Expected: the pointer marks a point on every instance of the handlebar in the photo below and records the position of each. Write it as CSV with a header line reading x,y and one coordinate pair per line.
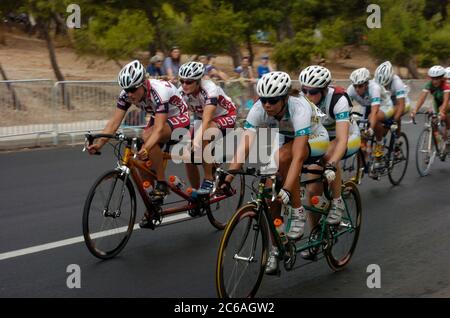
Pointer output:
x,y
135,142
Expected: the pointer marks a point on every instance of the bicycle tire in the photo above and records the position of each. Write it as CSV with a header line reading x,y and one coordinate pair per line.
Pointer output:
x,y
423,137
349,171
219,213
349,191
393,180
93,239
242,227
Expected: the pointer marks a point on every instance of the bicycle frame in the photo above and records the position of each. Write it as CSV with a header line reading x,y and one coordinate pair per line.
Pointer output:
x,y
264,211
133,166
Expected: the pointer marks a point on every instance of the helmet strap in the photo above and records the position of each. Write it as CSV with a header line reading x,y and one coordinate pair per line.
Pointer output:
x,y
282,109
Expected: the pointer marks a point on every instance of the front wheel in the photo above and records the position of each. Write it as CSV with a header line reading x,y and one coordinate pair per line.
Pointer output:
x,y
242,254
109,214
342,238
398,159
425,152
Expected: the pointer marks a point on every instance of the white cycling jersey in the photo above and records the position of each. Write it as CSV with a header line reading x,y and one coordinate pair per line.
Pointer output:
x,y
160,97
340,110
209,94
302,118
398,89
375,95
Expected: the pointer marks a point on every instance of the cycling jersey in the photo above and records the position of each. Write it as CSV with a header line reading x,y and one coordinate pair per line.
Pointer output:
x,y
160,97
209,94
302,118
437,92
336,106
375,95
398,89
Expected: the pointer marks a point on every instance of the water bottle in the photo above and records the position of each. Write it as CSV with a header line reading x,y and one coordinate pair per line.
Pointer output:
x,y
177,182
147,185
320,202
279,225
192,192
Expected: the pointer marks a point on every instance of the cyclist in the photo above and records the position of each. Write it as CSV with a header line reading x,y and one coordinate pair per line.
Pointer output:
x,y
167,109
447,74
302,140
440,90
384,75
212,107
375,100
345,137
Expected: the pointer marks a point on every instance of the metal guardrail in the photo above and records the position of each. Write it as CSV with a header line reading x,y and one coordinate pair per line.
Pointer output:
x,y
74,107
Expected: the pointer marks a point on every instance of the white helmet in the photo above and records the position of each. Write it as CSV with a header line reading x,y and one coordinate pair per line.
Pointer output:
x,y
131,75
315,76
447,72
436,71
273,84
191,70
360,76
384,73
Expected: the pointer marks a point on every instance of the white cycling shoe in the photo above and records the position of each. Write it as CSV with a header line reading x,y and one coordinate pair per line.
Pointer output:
x,y
297,228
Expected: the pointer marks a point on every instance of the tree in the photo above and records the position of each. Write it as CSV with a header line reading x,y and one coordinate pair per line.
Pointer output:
x,y
295,53
207,33
402,35
110,33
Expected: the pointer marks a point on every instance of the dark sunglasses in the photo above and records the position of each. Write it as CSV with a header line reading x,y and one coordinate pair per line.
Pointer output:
x,y
132,89
270,100
187,82
359,85
312,91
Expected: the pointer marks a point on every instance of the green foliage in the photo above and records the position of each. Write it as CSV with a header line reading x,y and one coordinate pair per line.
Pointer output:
x,y
439,44
115,34
215,30
298,52
402,35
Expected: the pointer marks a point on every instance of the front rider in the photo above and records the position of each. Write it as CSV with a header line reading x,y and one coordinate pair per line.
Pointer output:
x,y
302,139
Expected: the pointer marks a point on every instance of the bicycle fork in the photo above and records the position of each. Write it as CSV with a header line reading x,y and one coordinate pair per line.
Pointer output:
x,y
106,211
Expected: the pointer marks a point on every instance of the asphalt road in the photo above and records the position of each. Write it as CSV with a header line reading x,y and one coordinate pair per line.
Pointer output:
x,y
42,192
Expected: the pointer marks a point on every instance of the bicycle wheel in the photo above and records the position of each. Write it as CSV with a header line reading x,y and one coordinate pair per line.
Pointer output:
x,y
109,215
351,168
425,152
243,254
398,159
220,212
342,239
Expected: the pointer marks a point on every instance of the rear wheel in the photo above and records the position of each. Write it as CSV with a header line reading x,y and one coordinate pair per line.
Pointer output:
x,y
109,214
242,254
342,238
221,211
425,152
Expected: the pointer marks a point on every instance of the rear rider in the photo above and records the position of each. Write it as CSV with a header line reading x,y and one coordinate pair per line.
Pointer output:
x,y
345,139
212,108
384,75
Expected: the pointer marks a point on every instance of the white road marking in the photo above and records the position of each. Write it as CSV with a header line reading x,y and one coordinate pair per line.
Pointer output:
x,y
74,240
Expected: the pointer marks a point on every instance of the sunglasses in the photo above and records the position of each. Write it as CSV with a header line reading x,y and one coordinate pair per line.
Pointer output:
x,y
270,100
187,82
132,89
312,91
359,85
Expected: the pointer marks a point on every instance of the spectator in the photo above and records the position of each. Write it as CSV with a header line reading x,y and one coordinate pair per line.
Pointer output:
x,y
245,70
212,72
155,68
264,67
172,63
